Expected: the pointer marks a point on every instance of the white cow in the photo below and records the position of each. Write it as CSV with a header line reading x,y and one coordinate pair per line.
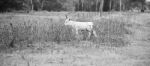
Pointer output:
x,y
81,26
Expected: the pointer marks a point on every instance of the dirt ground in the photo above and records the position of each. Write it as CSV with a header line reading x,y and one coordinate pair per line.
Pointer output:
x,y
136,54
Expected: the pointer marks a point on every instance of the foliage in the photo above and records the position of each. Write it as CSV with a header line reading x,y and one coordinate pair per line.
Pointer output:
x,y
70,5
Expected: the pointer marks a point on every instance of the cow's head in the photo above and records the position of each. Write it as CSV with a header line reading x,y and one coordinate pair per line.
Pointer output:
x,y
67,20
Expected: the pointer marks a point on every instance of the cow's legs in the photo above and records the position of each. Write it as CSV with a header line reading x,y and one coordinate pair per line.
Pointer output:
x,y
94,33
77,32
90,32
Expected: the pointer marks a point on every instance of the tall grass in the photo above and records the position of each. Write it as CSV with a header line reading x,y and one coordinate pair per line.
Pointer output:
x,y
30,29
111,32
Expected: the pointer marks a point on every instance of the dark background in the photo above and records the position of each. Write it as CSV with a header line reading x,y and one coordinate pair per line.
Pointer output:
x,y
72,5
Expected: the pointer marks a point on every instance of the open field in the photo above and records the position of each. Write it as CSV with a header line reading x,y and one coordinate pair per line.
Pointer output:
x,y
41,39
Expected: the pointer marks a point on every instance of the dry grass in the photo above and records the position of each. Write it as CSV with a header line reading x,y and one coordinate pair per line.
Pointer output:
x,y
42,32
28,29
112,32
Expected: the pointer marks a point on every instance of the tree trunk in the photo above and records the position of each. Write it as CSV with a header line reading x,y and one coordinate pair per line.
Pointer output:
x,y
42,4
32,5
82,5
143,6
96,5
101,7
78,6
110,5
120,5
123,7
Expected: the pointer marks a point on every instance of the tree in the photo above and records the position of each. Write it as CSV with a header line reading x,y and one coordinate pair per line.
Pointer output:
x,y
97,5
70,5
101,6
110,5
120,5
32,5
42,4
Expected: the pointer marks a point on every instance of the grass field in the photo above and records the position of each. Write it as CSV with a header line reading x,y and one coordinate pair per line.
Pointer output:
x,y
31,28
42,39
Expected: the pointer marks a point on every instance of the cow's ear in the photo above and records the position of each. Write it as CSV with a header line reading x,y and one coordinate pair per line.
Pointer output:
x,y
66,16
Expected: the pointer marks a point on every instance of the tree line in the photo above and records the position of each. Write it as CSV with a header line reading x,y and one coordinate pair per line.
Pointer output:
x,y
71,5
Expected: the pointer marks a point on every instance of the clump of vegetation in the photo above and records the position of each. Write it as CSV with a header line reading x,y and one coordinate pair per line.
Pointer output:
x,y
111,32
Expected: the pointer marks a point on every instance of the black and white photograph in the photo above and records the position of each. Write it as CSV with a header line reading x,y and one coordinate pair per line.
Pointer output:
x,y
74,32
